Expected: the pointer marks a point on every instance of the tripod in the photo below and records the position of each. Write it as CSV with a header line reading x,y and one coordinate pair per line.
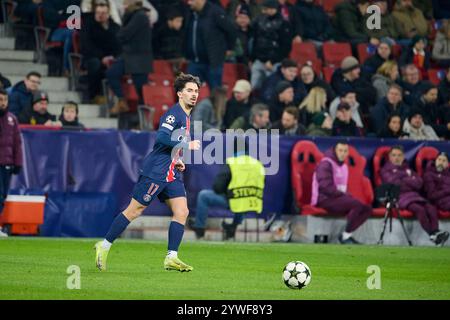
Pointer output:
x,y
391,206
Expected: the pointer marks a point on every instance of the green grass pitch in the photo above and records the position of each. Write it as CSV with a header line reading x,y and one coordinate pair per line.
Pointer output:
x,y
36,268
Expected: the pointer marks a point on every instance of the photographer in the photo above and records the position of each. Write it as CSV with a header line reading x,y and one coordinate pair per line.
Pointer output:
x,y
437,182
396,171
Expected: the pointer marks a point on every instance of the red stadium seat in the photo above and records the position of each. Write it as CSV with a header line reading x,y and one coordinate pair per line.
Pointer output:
x,y
329,5
303,51
359,185
304,159
379,159
436,75
328,73
334,53
130,94
365,50
161,98
424,155
163,67
396,51
224,3
160,79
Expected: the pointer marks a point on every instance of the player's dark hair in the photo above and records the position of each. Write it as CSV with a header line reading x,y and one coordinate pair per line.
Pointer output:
x,y
397,147
3,92
33,73
342,142
173,13
182,79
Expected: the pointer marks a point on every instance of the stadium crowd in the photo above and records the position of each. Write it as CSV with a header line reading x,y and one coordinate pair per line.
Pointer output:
x,y
397,86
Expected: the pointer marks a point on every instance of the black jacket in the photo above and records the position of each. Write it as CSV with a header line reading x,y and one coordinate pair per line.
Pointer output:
x,y
270,83
216,31
271,38
222,180
381,111
343,129
167,43
234,110
435,115
295,20
97,42
317,21
411,92
276,109
371,65
135,37
444,91
29,116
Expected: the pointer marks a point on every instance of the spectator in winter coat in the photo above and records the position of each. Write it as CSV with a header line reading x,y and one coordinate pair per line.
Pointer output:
x,y
69,117
410,19
239,104
344,125
257,118
348,77
393,128
418,55
271,43
434,115
168,37
411,84
288,71
444,89
135,37
329,191
242,21
321,125
416,129
318,25
284,97
348,97
437,182
386,75
311,80
99,46
21,95
396,171
210,37
441,46
289,125
10,148
37,113
290,14
383,53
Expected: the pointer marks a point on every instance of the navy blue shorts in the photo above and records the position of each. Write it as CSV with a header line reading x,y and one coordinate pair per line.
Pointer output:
x,y
146,189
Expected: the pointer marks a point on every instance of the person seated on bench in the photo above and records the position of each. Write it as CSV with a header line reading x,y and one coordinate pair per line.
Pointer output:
x,y
239,187
397,171
329,191
437,182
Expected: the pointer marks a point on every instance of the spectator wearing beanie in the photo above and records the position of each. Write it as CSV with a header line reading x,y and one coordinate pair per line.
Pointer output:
x,y
37,113
242,21
239,104
284,97
288,71
321,125
344,125
433,114
348,77
418,55
417,129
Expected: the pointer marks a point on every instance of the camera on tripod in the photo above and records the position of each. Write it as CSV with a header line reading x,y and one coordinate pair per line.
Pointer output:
x,y
388,192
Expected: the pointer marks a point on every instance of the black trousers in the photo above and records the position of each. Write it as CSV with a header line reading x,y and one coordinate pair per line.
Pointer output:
x,y
5,178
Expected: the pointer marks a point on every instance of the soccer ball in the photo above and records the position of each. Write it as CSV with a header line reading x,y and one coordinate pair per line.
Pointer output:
x,y
296,275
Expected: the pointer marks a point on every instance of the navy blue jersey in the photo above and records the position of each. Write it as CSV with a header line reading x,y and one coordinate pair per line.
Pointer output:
x,y
173,135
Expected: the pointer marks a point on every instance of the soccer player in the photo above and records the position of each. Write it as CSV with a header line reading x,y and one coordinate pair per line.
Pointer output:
x,y
160,176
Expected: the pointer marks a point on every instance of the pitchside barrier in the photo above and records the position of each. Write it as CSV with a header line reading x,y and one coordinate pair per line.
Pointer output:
x,y
88,176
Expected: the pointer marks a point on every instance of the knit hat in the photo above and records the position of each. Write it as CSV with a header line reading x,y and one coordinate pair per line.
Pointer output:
x,y
281,86
40,96
242,86
243,8
270,4
413,113
319,118
349,63
426,86
389,41
416,39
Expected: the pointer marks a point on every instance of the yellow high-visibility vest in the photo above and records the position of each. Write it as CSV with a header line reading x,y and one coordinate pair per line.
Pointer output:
x,y
246,188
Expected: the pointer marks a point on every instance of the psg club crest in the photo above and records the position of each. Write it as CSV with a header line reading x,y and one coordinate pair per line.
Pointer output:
x,y
147,197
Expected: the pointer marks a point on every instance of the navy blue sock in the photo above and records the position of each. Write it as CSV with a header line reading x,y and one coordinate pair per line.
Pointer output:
x,y
176,231
119,224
